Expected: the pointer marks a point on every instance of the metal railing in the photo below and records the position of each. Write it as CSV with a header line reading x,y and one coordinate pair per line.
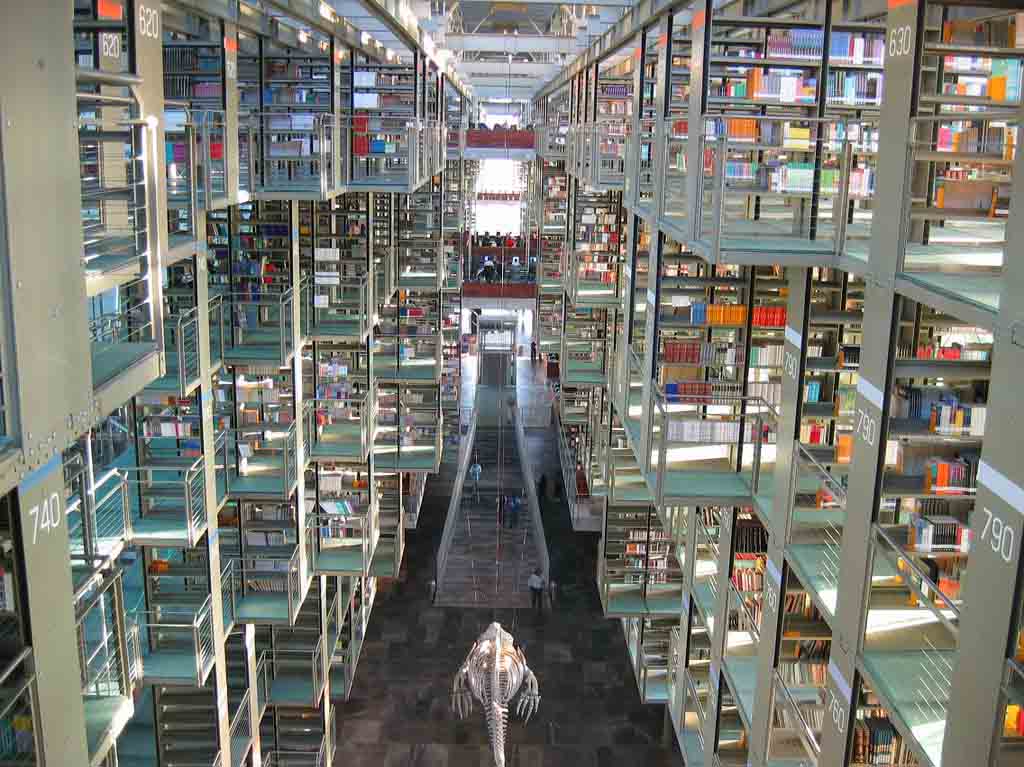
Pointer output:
x,y
211,160
401,358
18,680
421,266
181,347
609,142
263,683
301,664
331,422
338,305
698,417
98,517
177,628
780,185
218,329
241,724
263,449
229,590
584,361
122,337
182,202
170,490
946,229
271,573
674,205
345,529
592,278
298,152
260,326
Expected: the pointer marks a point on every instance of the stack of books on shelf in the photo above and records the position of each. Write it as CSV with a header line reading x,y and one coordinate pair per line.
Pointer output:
x,y
937,532
877,742
795,43
851,48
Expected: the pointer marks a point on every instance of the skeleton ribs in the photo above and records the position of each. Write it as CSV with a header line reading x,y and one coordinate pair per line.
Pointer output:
x,y
493,672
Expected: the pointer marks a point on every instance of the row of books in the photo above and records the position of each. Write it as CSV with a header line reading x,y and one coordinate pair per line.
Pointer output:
x,y
854,88
750,540
952,476
877,742
699,353
748,572
938,533
710,432
937,351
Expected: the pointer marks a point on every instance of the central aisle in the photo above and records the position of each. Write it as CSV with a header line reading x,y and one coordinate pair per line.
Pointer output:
x,y
590,712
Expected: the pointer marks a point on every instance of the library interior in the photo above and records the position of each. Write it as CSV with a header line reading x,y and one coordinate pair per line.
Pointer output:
x,y
436,415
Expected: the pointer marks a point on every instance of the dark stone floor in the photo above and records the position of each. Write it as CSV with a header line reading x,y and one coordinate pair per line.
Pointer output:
x,y
590,713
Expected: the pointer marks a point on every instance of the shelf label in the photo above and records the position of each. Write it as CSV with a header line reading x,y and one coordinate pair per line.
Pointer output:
x,y
869,391
48,514
1008,490
793,337
839,694
149,22
840,681
773,572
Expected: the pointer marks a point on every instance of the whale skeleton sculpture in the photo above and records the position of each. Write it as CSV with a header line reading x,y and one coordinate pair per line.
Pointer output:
x,y
494,671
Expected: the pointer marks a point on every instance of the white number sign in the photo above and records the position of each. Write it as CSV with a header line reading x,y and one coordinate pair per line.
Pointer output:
x,y
46,516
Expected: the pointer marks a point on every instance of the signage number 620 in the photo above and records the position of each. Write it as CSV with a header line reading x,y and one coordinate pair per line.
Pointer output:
x,y
900,41
149,22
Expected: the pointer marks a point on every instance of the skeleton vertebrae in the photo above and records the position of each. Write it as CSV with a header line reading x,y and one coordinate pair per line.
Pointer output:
x,y
493,672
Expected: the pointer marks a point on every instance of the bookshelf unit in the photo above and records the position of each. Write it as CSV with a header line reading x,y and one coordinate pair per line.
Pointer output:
x,y
859,236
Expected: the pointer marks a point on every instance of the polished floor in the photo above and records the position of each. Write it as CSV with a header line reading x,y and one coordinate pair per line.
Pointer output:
x,y
590,713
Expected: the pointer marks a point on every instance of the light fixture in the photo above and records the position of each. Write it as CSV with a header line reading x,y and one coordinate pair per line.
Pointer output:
x,y
303,36
365,38
326,12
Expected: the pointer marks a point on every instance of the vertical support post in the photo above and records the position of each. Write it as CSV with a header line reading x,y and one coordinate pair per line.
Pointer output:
x,y
231,124
51,398
42,542
209,438
795,354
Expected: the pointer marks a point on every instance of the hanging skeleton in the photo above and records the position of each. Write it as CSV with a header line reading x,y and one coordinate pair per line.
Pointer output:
x,y
493,672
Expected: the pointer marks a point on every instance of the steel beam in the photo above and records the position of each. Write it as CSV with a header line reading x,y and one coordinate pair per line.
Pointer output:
x,y
492,43
477,69
488,92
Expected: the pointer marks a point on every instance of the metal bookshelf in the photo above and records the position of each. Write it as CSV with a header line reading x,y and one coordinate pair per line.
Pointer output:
x,y
816,306
192,523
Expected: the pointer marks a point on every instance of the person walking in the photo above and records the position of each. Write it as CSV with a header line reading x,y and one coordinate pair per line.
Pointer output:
x,y
513,512
533,352
474,474
536,584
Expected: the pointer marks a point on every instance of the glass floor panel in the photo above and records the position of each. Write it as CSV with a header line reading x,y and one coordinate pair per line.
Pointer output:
x,y
292,690
411,370
105,717
896,676
742,673
340,559
981,290
810,560
263,608
409,459
110,359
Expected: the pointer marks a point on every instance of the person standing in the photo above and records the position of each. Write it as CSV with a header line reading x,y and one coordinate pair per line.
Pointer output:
x,y
474,474
533,352
536,584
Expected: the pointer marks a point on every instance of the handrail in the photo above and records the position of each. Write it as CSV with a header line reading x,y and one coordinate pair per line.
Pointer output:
x,y
530,484
90,75
909,562
450,521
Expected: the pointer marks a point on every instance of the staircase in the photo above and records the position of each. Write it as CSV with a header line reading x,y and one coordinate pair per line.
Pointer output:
x,y
488,563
